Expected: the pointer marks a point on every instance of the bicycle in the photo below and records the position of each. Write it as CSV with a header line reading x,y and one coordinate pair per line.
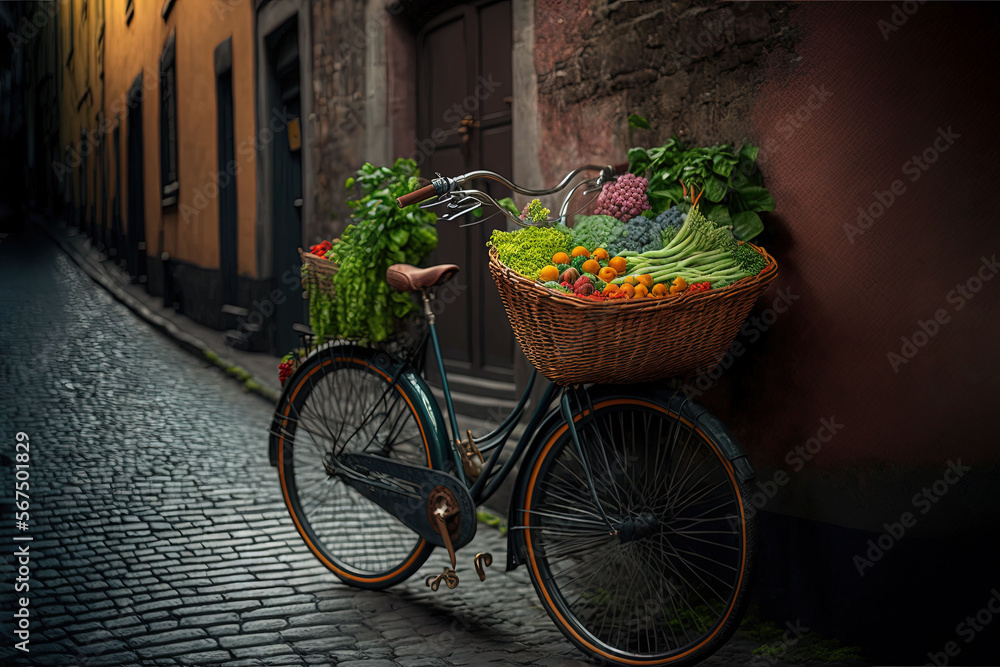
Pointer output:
x,y
631,507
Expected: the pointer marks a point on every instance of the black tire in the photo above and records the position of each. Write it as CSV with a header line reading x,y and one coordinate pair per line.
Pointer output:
x,y
675,590
342,400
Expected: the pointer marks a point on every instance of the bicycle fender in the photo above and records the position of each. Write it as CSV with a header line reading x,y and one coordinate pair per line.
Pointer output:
x,y
675,401
417,393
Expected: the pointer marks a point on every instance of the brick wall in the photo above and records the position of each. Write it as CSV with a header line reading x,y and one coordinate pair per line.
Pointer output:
x,y
689,68
340,39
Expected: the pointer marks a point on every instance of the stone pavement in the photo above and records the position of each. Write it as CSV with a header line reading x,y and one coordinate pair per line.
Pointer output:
x,y
159,532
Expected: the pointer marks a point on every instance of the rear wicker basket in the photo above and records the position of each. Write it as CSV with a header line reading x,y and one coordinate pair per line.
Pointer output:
x,y
318,273
576,341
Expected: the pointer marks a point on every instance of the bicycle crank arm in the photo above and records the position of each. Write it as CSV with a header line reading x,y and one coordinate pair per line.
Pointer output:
x,y
369,476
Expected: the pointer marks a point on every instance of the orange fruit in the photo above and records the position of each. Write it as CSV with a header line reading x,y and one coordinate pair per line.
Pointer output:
x,y
628,289
645,279
580,250
560,258
600,253
659,289
610,288
607,274
548,273
591,266
630,280
618,264
640,291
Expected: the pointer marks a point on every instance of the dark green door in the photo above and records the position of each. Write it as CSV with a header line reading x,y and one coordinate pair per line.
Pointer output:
x,y
228,265
136,200
284,108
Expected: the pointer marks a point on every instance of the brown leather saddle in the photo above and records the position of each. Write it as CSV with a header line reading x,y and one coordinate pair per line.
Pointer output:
x,y
408,278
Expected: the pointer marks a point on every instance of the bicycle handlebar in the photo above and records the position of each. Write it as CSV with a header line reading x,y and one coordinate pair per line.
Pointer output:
x,y
417,196
443,185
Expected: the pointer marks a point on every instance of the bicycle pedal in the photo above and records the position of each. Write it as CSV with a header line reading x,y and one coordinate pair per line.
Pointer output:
x,y
483,560
448,576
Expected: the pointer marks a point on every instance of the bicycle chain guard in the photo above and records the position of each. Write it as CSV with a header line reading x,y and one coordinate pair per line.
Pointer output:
x,y
404,491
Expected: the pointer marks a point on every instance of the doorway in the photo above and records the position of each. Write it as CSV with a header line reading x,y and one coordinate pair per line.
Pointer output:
x,y
284,108
464,75
228,230
135,203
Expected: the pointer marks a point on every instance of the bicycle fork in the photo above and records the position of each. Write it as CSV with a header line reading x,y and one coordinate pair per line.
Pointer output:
x,y
567,414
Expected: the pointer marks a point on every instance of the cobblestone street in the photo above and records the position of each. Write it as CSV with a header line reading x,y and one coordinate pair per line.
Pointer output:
x,y
159,533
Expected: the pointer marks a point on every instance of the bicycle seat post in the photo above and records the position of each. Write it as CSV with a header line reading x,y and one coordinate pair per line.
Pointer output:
x,y
427,295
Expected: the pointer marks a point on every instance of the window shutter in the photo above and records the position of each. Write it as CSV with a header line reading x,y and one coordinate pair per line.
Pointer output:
x,y
168,123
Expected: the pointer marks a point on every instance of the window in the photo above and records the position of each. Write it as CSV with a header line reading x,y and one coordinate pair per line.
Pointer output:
x,y
129,11
168,123
69,52
167,6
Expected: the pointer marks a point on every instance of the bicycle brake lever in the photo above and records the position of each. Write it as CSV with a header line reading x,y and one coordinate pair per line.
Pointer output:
x,y
431,203
458,209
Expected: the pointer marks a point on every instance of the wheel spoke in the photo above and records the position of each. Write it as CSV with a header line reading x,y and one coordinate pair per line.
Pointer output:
x,y
660,588
344,407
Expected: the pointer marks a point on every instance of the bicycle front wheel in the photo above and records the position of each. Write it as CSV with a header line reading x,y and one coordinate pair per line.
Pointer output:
x,y
670,588
343,401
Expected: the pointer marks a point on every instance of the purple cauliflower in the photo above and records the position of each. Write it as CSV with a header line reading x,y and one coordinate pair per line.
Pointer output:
x,y
624,199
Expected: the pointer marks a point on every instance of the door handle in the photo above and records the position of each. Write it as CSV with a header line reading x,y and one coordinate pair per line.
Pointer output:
x,y
297,203
466,124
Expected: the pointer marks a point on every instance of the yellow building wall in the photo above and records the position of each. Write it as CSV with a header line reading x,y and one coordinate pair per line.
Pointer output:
x,y
80,100
189,228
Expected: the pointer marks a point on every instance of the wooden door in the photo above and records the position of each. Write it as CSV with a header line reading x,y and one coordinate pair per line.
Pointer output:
x,y
228,267
284,86
463,124
136,208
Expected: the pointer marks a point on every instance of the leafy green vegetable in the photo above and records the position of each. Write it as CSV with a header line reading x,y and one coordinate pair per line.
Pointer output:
x,y
381,235
528,250
729,178
598,231
638,122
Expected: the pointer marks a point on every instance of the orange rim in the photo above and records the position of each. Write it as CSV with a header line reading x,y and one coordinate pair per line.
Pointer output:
x,y
534,563
421,544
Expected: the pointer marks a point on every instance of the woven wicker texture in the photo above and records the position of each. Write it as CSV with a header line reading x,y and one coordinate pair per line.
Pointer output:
x,y
575,341
319,273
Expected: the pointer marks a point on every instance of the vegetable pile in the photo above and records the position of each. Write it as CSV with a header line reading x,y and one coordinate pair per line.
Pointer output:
x,y
381,234
528,250
630,250
732,183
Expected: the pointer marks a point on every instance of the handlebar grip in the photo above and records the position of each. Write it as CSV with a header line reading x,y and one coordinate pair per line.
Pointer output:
x,y
621,168
417,196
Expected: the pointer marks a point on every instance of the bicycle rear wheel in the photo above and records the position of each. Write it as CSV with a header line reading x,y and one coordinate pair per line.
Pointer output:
x,y
671,587
343,401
